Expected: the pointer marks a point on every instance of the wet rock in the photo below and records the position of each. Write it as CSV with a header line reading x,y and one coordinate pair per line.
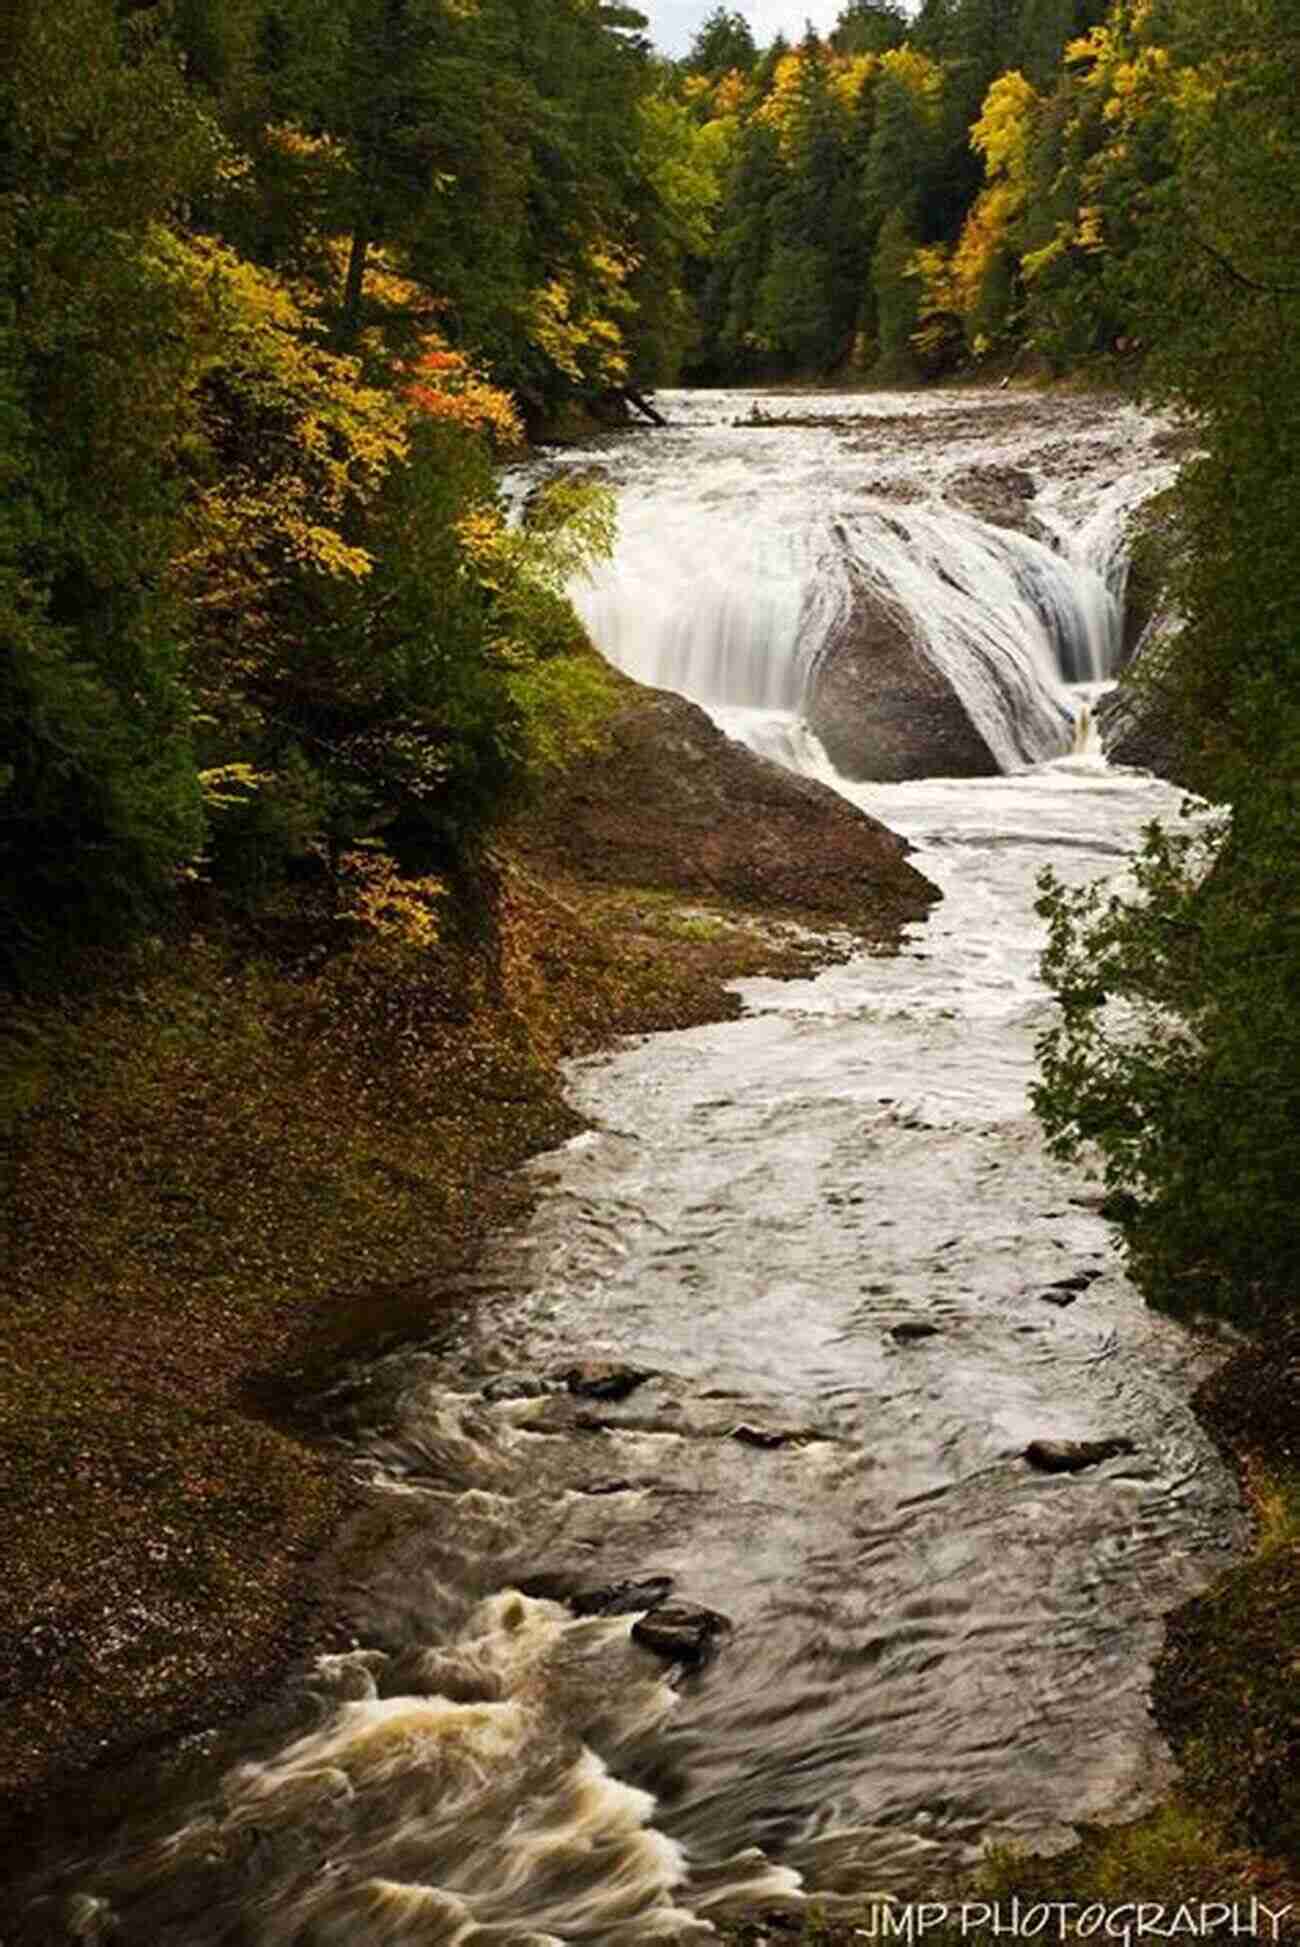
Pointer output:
x,y
767,1436
608,1487
668,1421
674,802
1138,720
998,494
622,1598
881,708
597,1379
680,1633
516,1385
1072,1456
1064,1291
909,1330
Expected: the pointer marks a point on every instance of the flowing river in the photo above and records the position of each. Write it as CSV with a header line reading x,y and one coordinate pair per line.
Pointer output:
x,y
933,1645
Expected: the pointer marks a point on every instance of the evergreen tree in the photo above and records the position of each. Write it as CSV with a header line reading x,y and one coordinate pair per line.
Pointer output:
x,y
809,297
1177,1060
869,27
724,41
99,802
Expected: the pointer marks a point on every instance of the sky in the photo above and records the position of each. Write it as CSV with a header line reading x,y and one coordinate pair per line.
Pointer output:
x,y
673,23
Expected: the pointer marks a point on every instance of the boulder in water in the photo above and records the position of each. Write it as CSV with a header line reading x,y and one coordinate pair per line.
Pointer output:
x,y
1064,1291
909,1330
882,710
598,1379
673,802
516,1385
622,1598
681,1633
772,1436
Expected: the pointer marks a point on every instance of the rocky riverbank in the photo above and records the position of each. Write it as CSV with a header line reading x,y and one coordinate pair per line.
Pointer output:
x,y
271,1145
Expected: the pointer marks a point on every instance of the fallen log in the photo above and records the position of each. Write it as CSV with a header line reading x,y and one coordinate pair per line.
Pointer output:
x,y
642,405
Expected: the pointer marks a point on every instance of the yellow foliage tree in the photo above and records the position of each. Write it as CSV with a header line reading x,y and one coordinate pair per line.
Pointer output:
x,y
1002,136
576,322
292,444
922,77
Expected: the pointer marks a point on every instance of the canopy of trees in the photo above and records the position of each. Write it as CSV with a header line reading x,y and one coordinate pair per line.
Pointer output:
x,y
278,283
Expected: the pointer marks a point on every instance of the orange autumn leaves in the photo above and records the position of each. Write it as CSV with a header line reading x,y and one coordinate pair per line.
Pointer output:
x,y
443,385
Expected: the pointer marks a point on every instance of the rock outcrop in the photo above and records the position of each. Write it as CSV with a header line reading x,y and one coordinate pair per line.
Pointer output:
x,y
1137,720
672,802
680,1633
881,709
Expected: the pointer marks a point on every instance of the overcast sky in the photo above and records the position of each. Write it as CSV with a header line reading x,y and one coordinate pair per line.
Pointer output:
x,y
673,23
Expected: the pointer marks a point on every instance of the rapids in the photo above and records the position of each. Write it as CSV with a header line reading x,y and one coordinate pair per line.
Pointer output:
x,y
933,1645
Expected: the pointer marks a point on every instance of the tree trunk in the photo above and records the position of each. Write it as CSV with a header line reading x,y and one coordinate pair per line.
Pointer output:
x,y
350,314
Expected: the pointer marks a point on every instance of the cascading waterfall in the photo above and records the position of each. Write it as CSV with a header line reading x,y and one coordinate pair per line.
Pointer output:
x,y
1007,622
718,609
728,586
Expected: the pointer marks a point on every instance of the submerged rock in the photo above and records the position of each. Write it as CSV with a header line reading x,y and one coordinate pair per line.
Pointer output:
x,y
1072,1456
882,710
908,1330
770,1436
681,1633
1064,1291
596,1379
516,1385
622,1598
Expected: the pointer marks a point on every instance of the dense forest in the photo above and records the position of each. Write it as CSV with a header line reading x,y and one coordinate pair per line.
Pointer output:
x,y
283,282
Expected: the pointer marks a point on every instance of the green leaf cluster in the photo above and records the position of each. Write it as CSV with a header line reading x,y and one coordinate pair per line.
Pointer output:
x,y
1178,1054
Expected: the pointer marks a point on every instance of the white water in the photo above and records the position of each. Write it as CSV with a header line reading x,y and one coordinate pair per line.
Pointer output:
x,y
933,1646
741,546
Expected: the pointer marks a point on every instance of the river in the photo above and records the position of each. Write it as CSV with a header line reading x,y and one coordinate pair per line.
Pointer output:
x,y
932,1644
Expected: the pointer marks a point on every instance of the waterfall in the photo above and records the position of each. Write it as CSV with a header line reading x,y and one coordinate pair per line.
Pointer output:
x,y
1007,622
731,598
708,605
